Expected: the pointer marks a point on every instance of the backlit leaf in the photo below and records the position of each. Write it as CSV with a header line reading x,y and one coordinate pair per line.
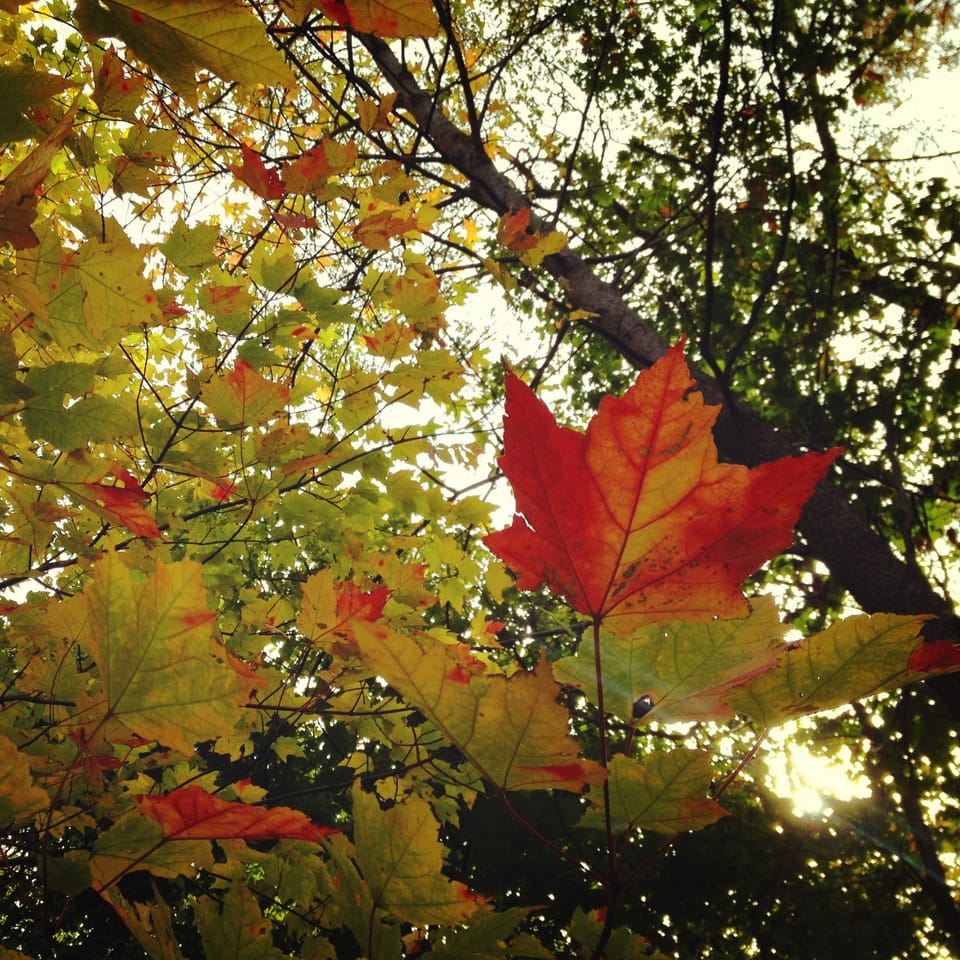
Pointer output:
x,y
242,396
117,299
666,792
181,37
329,609
380,221
512,729
854,658
401,860
310,172
636,520
117,92
264,181
686,669
162,673
124,504
191,248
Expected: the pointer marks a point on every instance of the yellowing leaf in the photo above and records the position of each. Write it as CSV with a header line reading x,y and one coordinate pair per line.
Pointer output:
x,y
150,923
21,89
401,860
20,798
685,669
329,609
243,397
854,658
310,171
234,928
179,38
118,93
665,793
546,245
117,299
136,843
162,673
511,729
18,199
379,221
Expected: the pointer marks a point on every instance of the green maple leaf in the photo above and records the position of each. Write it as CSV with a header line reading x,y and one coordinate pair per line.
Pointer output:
x,y
179,38
162,673
401,860
666,793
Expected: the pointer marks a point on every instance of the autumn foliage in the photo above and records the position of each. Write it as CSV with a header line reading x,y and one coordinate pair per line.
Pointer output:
x,y
227,555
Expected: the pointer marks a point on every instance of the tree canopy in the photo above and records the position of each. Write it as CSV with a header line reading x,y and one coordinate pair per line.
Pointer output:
x,y
280,283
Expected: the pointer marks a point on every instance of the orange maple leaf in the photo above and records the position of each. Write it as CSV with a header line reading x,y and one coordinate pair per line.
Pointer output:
x,y
313,168
382,221
191,813
512,231
635,520
124,504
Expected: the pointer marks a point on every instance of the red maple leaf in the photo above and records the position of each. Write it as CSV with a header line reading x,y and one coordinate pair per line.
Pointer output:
x,y
635,520
264,181
191,813
512,231
124,504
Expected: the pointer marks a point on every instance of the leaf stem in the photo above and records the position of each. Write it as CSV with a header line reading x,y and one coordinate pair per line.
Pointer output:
x,y
613,885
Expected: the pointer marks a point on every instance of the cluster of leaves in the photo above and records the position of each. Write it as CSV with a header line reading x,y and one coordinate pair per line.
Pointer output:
x,y
251,703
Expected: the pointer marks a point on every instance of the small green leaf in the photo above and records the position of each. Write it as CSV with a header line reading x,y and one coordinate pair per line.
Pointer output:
x,y
190,249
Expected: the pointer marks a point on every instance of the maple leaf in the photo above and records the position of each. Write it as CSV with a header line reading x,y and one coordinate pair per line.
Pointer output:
x,y
178,39
396,18
512,231
264,181
380,221
190,813
18,199
329,610
665,792
163,674
20,798
243,396
684,669
124,504
636,520
312,169
512,729
853,658
401,858
117,93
